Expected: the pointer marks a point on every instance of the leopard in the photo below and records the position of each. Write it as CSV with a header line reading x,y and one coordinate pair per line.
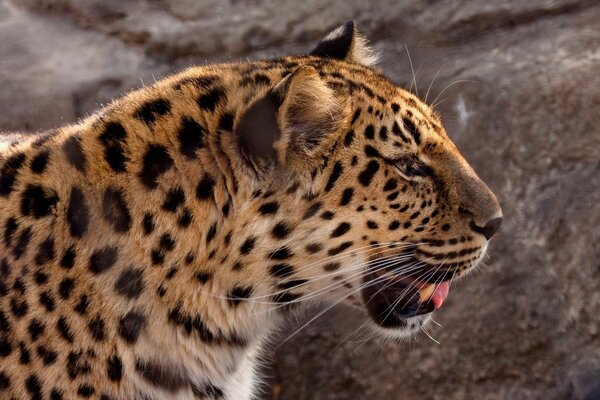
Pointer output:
x,y
152,249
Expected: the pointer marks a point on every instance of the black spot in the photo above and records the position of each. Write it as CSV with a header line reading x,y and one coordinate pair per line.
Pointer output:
x,y
395,107
282,253
341,229
162,376
398,132
82,306
63,328
185,219
157,257
4,381
77,365
56,394
198,81
47,301
281,270
48,356
203,276
19,308
393,196
225,208
312,210
130,326
335,174
383,133
148,223
38,201
372,224
212,231
209,391
281,230
115,211
346,196
78,214
130,283
171,272
22,243
349,138
337,250
367,174
226,122
151,110
9,229
8,173
327,215
33,386
97,328
239,293
4,325
103,259
113,138
289,284
45,252
166,242
332,266
314,247
65,287
68,259
40,162
174,199
211,99
391,184
85,390
412,129
191,137
394,225
269,208
74,153
205,187
35,329
6,347
24,356
370,132
156,162
446,227
40,277
248,245
355,116
114,368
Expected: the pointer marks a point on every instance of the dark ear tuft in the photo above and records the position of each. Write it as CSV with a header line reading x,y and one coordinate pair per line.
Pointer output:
x,y
345,43
338,43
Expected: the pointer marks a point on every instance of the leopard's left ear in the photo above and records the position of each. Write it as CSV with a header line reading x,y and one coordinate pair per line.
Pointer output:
x,y
345,43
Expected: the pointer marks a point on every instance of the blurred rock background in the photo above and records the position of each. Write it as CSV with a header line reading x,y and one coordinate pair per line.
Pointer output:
x,y
518,86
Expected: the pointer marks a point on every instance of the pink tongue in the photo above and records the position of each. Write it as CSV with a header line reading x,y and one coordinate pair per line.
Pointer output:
x,y
440,294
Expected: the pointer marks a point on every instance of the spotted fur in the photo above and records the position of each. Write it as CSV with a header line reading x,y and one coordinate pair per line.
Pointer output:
x,y
147,251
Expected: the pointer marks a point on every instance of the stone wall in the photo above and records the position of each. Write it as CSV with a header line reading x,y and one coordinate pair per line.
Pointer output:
x,y
518,86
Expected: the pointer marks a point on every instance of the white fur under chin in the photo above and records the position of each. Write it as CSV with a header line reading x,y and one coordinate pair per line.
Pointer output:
x,y
414,327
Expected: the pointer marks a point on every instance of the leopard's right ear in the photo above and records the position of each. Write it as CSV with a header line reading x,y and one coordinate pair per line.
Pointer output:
x,y
346,43
291,121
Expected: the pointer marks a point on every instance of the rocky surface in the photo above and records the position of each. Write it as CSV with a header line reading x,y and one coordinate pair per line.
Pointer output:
x,y
518,87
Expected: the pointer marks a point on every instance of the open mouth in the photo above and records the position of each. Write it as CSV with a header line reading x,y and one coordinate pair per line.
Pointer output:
x,y
392,298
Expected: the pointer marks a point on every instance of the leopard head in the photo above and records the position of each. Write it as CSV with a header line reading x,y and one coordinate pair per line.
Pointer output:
x,y
386,211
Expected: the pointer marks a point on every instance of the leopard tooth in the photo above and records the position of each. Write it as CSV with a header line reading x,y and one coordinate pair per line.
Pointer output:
x,y
426,292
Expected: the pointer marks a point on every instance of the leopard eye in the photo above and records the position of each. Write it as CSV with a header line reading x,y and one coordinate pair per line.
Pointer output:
x,y
411,167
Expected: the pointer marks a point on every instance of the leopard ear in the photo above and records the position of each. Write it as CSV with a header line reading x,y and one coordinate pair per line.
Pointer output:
x,y
345,43
291,121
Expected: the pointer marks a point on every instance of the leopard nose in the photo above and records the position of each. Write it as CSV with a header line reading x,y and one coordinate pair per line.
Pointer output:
x,y
489,229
